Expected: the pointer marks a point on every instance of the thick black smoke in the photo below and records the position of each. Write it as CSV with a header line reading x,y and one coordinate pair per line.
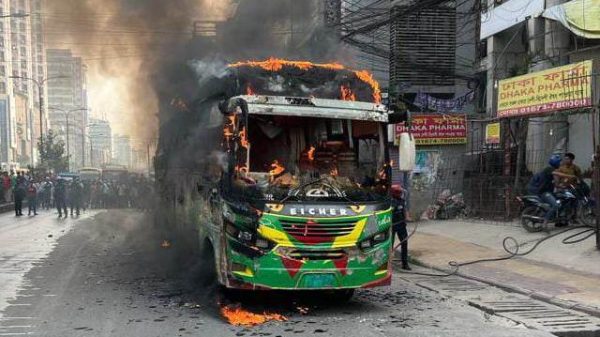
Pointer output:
x,y
148,44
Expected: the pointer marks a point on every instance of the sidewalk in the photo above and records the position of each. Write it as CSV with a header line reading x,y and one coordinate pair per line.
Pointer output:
x,y
566,275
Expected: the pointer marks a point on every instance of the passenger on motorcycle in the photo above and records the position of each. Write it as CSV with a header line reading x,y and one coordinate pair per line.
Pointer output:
x,y
568,174
542,185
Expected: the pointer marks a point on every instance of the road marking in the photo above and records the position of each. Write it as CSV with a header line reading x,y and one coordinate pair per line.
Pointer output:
x,y
15,326
14,318
15,333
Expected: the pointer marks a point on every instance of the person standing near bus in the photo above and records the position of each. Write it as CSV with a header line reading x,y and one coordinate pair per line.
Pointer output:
x,y
399,223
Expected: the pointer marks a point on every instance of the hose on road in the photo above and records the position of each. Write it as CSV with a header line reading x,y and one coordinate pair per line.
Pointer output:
x,y
512,247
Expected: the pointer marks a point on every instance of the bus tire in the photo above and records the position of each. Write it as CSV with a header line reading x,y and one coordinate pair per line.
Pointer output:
x,y
208,264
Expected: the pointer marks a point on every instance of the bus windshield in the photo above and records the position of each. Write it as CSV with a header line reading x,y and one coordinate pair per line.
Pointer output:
x,y
313,159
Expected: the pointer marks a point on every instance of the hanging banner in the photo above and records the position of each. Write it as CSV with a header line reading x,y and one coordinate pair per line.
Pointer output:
x,y
492,133
582,17
436,129
555,89
443,105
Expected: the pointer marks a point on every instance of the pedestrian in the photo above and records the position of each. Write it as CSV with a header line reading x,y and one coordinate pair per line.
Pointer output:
x,y
399,223
19,195
32,199
60,198
75,196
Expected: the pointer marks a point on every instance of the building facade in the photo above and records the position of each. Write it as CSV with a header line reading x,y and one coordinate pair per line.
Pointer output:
x,y
67,102
100,142
532,40
122,150
432,73
22,74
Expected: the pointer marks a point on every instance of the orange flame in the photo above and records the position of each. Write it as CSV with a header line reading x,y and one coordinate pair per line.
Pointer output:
x,y
334,172
367,77
244,139
347,94
229,128
249,90
276,169
275,64
311,153
240,317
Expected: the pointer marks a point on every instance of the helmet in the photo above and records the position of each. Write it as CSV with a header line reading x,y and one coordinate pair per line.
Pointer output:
x,y
396,191
555,160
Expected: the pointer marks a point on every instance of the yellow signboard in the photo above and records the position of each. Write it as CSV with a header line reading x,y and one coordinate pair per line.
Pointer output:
x,y
492,133
555,89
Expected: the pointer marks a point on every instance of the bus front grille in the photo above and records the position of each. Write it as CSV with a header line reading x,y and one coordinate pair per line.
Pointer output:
x,y
313,229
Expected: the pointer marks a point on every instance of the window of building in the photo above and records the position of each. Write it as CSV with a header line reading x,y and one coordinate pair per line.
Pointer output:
x,y
2,88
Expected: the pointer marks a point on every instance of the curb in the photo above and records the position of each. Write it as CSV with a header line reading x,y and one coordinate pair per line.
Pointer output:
x,y
5,208
590,310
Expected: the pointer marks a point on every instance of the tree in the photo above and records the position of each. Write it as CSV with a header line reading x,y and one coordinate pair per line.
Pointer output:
x,y
52,153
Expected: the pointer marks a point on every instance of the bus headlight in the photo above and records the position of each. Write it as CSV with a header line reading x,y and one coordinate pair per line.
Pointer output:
x,y
373,240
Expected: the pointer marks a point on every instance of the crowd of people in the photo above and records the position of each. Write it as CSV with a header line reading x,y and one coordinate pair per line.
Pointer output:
x,y
72,196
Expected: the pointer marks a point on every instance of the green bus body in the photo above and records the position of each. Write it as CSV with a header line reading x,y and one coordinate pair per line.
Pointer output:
x,y
301,241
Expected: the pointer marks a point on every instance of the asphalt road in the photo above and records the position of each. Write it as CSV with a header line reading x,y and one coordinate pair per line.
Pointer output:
x,y
106,274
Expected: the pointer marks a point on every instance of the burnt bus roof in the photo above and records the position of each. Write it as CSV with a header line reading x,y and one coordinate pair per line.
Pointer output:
x,y
315,107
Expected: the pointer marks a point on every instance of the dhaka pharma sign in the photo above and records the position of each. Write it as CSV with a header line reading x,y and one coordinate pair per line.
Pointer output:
x,y
562,88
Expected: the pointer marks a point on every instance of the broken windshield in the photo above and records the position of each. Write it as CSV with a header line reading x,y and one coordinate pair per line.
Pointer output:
x,y
317,159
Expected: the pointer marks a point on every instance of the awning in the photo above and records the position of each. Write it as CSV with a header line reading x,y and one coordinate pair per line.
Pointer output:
x,y
582,17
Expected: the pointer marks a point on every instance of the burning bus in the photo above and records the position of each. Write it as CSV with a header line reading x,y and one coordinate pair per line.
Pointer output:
x,y
296,194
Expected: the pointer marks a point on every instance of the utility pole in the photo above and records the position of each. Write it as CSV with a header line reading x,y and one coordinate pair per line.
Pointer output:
x,y
67,118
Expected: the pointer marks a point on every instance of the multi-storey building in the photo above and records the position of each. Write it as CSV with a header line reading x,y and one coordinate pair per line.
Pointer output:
x,y
526,36
100,142
122,150
67,102
22,74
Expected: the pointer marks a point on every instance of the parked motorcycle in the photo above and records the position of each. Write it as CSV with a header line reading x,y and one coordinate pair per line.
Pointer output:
x,y
450,206
575,204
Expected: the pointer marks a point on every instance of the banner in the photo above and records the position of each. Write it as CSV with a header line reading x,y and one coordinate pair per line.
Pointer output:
x,y
443,105
555,89
436,129
582,17
492,133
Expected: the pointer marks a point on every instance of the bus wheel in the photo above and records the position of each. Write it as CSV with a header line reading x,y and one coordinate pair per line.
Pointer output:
x,y
208,264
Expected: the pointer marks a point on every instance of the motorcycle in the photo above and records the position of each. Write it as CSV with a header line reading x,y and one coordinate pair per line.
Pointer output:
x,y
574,204
450,206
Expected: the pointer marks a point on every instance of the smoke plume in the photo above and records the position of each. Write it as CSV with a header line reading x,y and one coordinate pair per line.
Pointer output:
x,y
141,54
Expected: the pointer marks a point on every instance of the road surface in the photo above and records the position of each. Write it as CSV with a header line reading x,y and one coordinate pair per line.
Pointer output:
x,y
106,274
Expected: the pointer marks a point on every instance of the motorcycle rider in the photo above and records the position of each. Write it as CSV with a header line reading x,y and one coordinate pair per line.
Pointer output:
x,y
542,185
